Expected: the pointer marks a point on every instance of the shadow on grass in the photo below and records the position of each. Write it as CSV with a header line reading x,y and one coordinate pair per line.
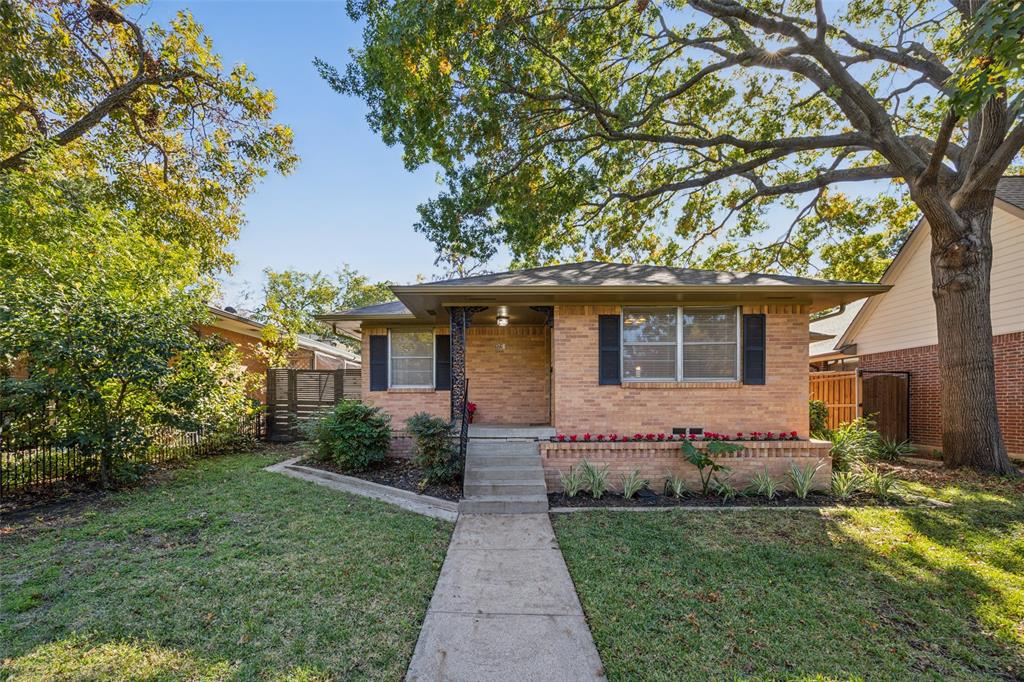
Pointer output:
x,y
225,571
866,593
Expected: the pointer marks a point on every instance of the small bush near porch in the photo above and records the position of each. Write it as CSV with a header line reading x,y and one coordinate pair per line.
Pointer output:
x,y
219,571
913,593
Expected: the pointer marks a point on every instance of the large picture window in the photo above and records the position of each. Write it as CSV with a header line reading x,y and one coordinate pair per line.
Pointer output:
x,y
680,344
412,359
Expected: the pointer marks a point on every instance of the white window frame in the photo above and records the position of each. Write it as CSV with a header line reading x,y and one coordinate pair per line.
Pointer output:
x,y
680,346
433,358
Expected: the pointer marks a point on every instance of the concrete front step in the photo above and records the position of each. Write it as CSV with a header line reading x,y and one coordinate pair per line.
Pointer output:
x,y
489,472
502,447
527,487
504,504
477,461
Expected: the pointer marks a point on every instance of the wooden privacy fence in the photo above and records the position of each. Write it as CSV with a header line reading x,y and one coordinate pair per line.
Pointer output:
x,y
841,392
297,395
884,395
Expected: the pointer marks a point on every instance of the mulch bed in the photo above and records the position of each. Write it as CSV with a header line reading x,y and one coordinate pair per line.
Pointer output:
x,y
649,498
397,473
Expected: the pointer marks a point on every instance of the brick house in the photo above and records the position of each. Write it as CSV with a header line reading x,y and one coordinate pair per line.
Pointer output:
x,y
897,331
245,334
605,348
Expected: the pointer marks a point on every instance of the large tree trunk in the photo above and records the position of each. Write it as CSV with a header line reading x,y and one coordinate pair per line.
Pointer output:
x,y
961,261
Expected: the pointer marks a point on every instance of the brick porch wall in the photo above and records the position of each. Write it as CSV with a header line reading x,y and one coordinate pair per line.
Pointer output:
x,y
656,460
581,404
925,410
508,370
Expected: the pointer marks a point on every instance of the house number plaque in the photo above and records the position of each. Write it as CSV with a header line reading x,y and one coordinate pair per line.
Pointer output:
x,y
499,348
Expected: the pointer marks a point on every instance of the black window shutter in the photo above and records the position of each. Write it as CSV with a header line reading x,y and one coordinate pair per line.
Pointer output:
x,y
753,349
609,366
442,363
378,363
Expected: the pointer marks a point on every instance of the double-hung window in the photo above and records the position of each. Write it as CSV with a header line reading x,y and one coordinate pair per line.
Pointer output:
x,y
411,358
680,344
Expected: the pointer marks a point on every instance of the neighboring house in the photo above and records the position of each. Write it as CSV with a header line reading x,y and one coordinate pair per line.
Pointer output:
x,y
245,334
605,348
898,332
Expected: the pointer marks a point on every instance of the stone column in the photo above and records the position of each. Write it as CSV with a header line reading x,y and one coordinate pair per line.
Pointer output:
x,y
459,319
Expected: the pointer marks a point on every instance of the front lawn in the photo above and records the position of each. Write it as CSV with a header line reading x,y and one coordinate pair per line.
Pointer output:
x,y
223,571
916,593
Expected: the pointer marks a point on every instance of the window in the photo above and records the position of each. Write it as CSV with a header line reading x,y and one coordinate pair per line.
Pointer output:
x,y
412,359
680,344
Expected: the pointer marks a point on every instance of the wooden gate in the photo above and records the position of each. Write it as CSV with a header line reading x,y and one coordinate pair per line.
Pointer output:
x,y
886,400
841,392
297,395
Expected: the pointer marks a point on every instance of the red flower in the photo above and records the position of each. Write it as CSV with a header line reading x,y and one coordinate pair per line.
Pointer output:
x,y
693,436
573,437
613,436
661,436
561,436
625,439
600,436
586,436
471,407
739,435
638,436
792,434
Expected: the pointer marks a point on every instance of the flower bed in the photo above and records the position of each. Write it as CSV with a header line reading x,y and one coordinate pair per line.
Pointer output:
x,y
753,436
655,460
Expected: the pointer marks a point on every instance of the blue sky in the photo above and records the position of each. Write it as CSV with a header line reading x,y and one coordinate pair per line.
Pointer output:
x,y
350,200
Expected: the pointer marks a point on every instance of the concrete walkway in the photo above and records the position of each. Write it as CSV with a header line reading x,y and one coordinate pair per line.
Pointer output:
x,y
504,608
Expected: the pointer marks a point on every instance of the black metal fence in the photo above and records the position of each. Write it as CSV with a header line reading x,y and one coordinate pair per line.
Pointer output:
x,y
23,468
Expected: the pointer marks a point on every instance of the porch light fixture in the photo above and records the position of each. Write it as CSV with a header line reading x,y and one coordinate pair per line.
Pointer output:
x,y
502,319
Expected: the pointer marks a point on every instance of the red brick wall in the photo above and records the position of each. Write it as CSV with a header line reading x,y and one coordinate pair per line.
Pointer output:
x,y
925,410
655,460
581,404
401,403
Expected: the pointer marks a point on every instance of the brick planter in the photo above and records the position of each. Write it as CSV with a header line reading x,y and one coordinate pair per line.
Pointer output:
x,y
656,460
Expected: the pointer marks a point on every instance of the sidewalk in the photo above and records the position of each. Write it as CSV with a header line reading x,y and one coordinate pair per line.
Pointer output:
x,y
504,608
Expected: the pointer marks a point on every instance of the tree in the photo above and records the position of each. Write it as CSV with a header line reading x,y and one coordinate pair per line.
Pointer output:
x,y
125,155
292,299
181,139
564,128
104,330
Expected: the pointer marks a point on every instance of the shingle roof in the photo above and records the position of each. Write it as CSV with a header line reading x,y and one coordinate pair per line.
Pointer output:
x,y
835,326
594,273
390,308
1011,190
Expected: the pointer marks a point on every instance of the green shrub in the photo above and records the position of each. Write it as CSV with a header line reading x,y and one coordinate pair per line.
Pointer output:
x,y
879,484
675,486
706,466
803,478
573,481
724,489
764,485
819,416
435,452
846,484
596,479
632,483
351,435
853,443
890,449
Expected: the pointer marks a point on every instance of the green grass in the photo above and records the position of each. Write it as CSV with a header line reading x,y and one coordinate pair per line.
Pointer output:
x,y
224,571
918,593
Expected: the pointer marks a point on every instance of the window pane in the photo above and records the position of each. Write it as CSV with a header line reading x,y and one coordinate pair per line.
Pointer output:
x,y
709,324
652,362
656,325
412,358
709,361
406,344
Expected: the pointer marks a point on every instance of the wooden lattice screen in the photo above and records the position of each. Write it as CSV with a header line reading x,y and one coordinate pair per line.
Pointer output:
x,y
297,395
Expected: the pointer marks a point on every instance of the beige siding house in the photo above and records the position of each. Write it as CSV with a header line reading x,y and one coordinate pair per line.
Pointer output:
x,y
897,331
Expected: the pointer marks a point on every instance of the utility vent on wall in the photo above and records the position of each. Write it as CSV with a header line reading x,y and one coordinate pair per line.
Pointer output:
x,y
687,430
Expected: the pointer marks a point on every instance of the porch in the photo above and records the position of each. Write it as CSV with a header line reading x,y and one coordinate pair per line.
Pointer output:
x,y
504,352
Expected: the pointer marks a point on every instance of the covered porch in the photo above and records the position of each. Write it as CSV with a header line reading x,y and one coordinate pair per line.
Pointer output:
x,y
502,355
